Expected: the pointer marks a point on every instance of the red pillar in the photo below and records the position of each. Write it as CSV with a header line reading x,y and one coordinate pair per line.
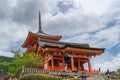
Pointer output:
x,y
89,66
52,62
72,63
79,64
63,62
82,66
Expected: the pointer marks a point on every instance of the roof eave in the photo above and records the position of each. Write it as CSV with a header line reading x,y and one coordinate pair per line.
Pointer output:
x,y
23,45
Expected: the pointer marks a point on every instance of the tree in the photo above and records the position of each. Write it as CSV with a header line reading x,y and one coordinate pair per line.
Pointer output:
x,y
4,63
24,59
118,71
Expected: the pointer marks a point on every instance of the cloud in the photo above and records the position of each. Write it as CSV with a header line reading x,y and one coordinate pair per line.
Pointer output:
x,y
10,34
65,5
79,20
107,61
104,38
6,53
16,19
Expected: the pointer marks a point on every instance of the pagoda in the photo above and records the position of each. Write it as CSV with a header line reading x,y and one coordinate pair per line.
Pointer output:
x,y
61,55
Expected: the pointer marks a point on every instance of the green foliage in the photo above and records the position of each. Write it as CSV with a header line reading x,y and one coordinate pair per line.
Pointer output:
x,y
29,59
24,59
73,79
14,65
5,59
11,69
39,77
4,63
118,71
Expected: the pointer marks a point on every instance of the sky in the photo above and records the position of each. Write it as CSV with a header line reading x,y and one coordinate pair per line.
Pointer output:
x,y
96,22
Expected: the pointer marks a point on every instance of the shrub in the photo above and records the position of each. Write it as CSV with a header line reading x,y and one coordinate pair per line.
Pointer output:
x,y
73,79
39,77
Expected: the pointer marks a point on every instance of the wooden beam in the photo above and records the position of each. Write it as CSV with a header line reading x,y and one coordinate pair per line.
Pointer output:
x,y
75,50
58,58
76,56
88,51
52,50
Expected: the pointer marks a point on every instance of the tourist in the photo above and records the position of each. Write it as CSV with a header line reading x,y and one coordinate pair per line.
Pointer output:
x,y
14,78
9,78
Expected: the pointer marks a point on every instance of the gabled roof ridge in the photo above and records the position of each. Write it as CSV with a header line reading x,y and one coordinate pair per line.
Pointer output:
x,y
45,34
65,43
61,42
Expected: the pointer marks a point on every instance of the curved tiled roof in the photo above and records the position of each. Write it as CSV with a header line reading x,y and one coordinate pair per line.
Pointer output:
x,y
57,44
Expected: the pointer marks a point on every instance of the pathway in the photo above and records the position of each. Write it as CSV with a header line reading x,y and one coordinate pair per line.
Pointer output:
x,y
96,77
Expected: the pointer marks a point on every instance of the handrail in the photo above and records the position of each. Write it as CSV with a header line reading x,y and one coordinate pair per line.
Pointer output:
x,y
53,72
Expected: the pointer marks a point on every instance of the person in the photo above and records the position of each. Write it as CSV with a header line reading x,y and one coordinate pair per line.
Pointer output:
x,y
66,68
9,78
14,78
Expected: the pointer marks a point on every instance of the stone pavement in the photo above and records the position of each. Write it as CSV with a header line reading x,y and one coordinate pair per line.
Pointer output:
x,y
96,77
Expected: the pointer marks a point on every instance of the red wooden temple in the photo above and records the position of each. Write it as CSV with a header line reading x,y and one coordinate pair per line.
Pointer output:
x,y
61,55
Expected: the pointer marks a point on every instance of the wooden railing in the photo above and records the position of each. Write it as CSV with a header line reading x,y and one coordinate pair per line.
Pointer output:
x,y
42,71
55,72
67,74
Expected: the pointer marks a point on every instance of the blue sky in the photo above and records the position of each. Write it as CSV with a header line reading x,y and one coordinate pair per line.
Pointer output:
x,y
96,22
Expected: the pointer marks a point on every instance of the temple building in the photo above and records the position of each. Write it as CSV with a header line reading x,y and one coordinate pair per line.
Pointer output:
x,y
61,55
